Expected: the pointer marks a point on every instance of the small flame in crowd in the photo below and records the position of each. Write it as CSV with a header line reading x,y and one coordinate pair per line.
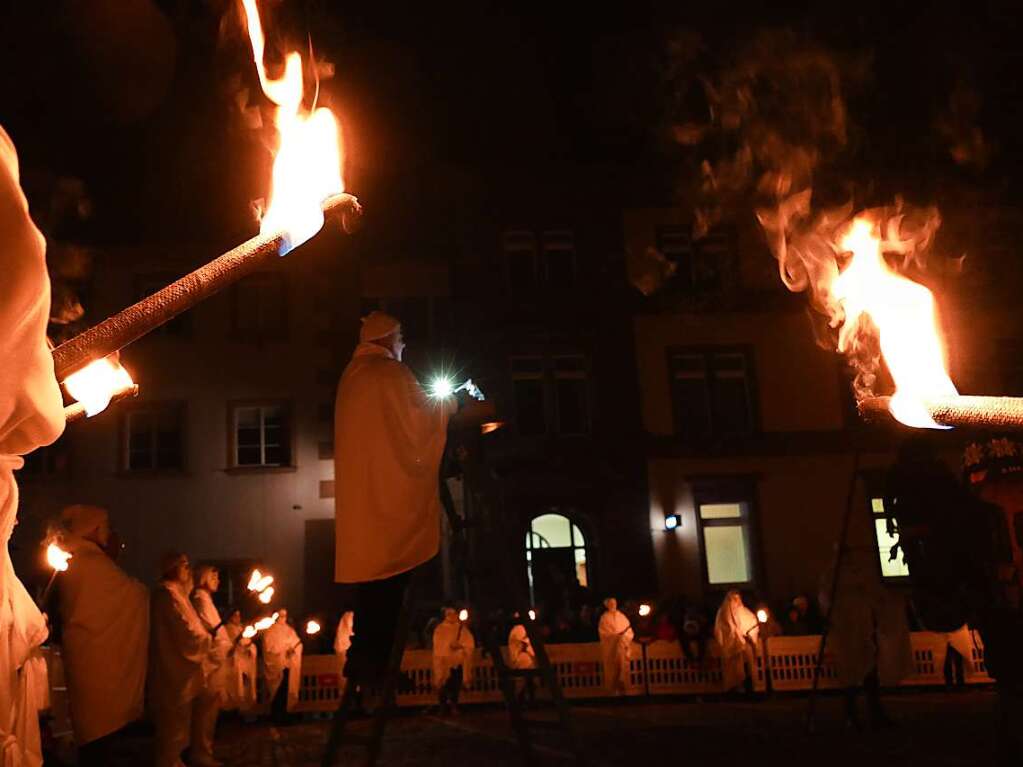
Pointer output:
x,y
307,164
248,632
259,582
264,623
266,595
762,615
96,383
644,610
532,615
463,615
57,558
312,627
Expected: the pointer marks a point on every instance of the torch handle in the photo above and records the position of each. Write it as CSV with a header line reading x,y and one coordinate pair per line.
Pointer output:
x,y
76,410
46,592
148,314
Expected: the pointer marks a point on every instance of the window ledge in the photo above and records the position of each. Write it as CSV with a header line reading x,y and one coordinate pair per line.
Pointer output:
x,y
152,474
242,470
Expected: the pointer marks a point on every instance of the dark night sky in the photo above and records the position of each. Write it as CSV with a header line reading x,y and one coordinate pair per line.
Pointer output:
x,y
135,104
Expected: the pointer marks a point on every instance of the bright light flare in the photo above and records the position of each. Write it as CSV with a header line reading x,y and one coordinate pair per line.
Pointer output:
x,y
266,595
644,610
762,615
96,383
532,615
259,582
264,623
904,314
312,628
441,387
249,631
307,163
463,615
57,558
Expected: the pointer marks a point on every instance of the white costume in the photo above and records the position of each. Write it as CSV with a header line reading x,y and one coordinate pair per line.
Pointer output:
x,y
866,609
31,415
215,673
453,646
343,638
520,649
282,649
179,645
105,615
389,439
616,635
736,631
242,670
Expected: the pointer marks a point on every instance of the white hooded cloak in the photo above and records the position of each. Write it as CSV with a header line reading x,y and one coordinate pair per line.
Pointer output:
x,y
343,637
105,615
179,646
520,650
616,635
241,670
736,630
215,666
453,646
388,441
282,648
31,415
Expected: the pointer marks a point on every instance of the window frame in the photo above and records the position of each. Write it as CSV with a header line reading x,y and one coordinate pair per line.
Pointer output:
x,y
740,491
178,409
233,407
574,523
708,352
873,485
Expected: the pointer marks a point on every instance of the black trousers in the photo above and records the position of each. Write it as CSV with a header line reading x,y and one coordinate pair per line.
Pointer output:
x,y
99,752
377,605
452,688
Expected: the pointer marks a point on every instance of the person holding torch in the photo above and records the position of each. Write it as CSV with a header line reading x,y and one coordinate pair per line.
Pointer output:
x,y
453,647
215,667
389,436
31,416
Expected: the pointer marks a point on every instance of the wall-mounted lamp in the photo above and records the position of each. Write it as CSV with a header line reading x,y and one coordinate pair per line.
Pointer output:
x,y
672,521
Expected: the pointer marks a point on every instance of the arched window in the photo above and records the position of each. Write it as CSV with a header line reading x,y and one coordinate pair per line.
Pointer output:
x,y
555,534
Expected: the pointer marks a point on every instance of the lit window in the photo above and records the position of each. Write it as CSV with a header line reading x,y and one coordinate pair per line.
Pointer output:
x,y
153,438
262,436
726,545
887,531
556,542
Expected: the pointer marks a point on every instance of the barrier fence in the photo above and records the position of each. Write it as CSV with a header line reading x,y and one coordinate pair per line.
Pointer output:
x,y
656,668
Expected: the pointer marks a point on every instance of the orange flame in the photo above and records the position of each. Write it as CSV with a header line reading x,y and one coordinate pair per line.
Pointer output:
x,y
312,627
266,595
96,383
259,582
264,623
307,164
57,558
904,314
248,632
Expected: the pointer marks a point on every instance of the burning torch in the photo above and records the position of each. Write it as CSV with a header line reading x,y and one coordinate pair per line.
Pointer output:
x,y
58,559
312,628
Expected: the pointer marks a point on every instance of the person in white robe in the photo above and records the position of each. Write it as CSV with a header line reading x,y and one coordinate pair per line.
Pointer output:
x,y
343,639
736,632
215,670
31,416
105,617
242,667
869,632
521,655
179,648
616,635
389,437
282,665
453,649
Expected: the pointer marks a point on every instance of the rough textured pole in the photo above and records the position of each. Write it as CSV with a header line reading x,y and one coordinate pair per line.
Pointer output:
x,y
76,410
998,413
148,314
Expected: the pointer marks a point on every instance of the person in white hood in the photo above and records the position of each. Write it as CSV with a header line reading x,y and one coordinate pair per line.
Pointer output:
x,y
215,668
389,437
736,632
179,646
101,608
343,638
282,665
453,647
242,669
31,416
616,635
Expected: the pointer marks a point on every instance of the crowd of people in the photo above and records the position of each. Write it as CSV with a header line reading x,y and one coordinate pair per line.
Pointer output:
x,y
177,655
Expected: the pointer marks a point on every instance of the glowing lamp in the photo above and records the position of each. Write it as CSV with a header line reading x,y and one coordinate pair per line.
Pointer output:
x,y
672,521
441,387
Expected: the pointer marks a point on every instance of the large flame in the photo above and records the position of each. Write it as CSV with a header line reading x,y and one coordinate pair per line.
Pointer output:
x,y
904,314
96,383
307,164
57,558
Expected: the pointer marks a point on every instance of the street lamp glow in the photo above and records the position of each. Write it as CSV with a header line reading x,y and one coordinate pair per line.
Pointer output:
x,y
671,522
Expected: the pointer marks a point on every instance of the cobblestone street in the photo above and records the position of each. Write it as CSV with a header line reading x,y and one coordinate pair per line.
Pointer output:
x,y
935,729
